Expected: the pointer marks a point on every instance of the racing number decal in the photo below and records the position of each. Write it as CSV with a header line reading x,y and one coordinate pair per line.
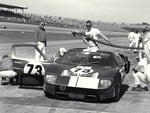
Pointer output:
x,y
34,68
76,70
30,68
39,69
82,70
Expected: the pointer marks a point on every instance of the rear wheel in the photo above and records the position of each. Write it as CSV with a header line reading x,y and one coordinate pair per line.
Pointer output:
x,y
14,80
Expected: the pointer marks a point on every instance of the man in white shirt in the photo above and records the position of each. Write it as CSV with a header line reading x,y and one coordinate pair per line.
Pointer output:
x,y
146,37
131,39
139,76
92,33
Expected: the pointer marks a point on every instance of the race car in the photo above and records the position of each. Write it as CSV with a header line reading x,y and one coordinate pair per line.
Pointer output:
x,y
30,70
90,76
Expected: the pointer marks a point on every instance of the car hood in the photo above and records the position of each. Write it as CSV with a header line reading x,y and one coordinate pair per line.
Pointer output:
x,y
104,71
81,76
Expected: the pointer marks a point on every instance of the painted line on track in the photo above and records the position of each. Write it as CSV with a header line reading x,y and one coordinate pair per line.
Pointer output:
x,y
56,109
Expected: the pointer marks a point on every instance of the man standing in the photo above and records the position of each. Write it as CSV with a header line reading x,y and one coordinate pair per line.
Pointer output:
x,y
136,39
92,33
146,35
131,38
40,39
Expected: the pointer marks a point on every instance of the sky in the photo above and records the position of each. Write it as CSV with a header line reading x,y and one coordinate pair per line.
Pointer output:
x,y
118,11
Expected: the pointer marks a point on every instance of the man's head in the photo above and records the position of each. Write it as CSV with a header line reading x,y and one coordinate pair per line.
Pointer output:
x,y
42,25
5,56
88,24
146,29
62,51
137,31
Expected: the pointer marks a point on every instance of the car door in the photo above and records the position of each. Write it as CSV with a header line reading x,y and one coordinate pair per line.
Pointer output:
x,y
31,70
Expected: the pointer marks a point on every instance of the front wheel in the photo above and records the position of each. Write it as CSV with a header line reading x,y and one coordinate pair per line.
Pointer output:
x,y
117,90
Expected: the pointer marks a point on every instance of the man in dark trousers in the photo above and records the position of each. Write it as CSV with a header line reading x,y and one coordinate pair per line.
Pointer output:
x,y
40,39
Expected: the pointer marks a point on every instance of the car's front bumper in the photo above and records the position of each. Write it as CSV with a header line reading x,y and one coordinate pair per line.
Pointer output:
x,y
79,93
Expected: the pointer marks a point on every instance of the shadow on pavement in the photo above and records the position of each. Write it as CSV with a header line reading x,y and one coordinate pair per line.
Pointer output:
x,y
124,88
31,87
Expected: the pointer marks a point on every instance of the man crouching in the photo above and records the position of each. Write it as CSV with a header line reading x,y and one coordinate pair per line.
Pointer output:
x,y
6,69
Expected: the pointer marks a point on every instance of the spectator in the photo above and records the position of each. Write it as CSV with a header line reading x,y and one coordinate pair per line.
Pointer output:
x,y
131,39
140,45
6,69
136,40
40,39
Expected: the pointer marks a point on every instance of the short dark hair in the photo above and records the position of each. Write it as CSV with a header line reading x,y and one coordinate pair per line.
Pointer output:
x,y
89,21
5,56
42,23
146,29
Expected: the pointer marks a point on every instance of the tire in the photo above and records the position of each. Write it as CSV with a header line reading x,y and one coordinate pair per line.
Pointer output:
x,y
14,81
49,95
46,94
117,89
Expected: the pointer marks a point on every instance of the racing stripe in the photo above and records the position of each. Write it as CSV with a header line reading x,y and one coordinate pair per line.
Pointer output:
x,y
73,81
87,82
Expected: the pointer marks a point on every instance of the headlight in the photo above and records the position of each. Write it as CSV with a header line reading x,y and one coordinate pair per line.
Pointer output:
x,y
95,75
105,84
65,73
51,78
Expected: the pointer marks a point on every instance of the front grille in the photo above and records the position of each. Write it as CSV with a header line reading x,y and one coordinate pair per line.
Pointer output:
x,y
65,92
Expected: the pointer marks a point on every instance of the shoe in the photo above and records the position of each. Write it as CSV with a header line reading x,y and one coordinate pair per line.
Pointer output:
x,y
138,88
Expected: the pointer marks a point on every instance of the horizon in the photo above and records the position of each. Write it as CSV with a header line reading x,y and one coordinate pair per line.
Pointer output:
x,y
111,11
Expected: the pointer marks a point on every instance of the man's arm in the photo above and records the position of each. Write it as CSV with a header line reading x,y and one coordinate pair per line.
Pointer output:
x,y
104,37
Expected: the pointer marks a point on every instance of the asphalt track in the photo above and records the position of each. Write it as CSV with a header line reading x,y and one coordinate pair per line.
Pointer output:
x,y
14,99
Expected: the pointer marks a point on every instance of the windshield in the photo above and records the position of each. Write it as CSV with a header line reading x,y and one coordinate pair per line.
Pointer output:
x,y
79,57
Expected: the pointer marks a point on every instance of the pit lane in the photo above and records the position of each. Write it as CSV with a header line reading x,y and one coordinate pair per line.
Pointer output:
x,y
14,99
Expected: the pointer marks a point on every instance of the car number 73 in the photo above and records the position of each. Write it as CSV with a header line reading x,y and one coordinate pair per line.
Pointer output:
x,y
34,69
